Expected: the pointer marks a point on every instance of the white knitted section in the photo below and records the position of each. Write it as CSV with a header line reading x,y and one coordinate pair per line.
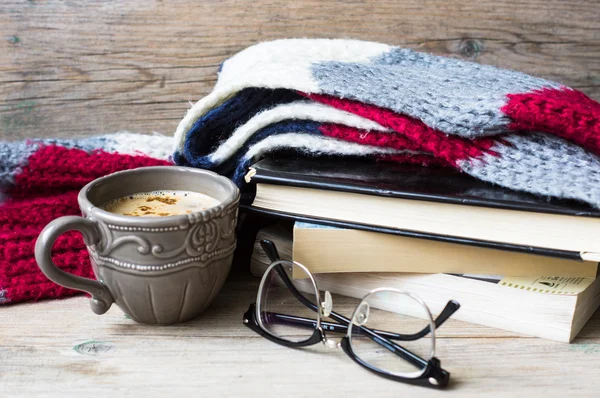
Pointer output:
x,y
319,145
277,64
268,64
541,164
154,145
301,110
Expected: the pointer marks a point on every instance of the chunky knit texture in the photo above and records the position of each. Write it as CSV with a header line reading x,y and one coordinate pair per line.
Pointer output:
x,y
347,97
39,181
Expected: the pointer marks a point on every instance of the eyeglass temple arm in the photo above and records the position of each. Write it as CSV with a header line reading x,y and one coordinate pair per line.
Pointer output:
x,y
450,308
270,250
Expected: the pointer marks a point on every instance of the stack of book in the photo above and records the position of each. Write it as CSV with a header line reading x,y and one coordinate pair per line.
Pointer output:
x,y
514,261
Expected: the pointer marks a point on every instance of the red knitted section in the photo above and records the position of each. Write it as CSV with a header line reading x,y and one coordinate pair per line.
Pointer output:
x,y
20,224
422,160
57,168
451,149
376,138
26,213
47,189
565,112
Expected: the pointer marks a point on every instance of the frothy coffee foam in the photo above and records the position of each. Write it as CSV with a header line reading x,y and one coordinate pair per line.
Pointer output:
x,y
160,203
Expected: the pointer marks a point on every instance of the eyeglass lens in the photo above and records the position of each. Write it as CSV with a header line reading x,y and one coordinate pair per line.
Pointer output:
x,y
283,313
398,313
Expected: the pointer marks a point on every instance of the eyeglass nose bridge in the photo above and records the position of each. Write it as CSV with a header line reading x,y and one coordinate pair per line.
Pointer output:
x,y
326,307
361,315
326,304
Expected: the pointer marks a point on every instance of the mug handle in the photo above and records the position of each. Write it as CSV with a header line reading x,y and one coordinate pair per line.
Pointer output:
x,y
102,299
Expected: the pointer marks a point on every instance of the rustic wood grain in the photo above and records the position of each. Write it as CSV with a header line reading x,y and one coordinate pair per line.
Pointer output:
x,y
61,346
89,67
79,68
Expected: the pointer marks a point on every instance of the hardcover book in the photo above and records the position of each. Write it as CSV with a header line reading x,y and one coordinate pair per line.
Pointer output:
x,y
429,203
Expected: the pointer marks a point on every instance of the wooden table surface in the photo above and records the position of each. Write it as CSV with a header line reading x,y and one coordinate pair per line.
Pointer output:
x,y
81,68
61,346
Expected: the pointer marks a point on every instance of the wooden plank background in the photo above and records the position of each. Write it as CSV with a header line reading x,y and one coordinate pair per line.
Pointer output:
x,y
72,68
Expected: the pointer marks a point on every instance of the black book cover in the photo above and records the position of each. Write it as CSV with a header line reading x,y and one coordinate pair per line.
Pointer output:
x,y
414,182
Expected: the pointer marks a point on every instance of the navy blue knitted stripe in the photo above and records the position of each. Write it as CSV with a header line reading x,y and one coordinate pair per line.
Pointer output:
x,y
180,160
218,124
235,164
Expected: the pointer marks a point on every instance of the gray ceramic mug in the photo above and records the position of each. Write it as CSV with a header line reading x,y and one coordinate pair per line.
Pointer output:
x,y
158,270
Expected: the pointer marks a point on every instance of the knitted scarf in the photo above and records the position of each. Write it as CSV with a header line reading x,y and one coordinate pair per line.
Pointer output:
x,y
355,98
39,181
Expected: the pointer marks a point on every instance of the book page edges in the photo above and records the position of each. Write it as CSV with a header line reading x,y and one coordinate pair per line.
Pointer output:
x,y
325,250
576,234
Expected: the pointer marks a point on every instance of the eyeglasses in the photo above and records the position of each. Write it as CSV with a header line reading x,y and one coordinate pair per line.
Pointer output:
x,y
289,308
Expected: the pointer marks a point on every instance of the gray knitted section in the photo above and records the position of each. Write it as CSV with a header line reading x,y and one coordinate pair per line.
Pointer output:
x,y
541,164
85,144
454,96
14,155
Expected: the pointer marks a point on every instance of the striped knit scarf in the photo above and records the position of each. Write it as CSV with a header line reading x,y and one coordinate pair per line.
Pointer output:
x,y
345,97
39,181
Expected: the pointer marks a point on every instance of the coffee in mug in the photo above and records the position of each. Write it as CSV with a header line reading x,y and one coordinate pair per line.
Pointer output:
x,y
160,203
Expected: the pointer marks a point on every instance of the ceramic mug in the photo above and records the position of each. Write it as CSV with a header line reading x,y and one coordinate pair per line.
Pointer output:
x,y
158,270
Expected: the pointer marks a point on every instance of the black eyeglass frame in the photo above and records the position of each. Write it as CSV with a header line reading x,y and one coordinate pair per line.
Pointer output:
x,y
432,374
